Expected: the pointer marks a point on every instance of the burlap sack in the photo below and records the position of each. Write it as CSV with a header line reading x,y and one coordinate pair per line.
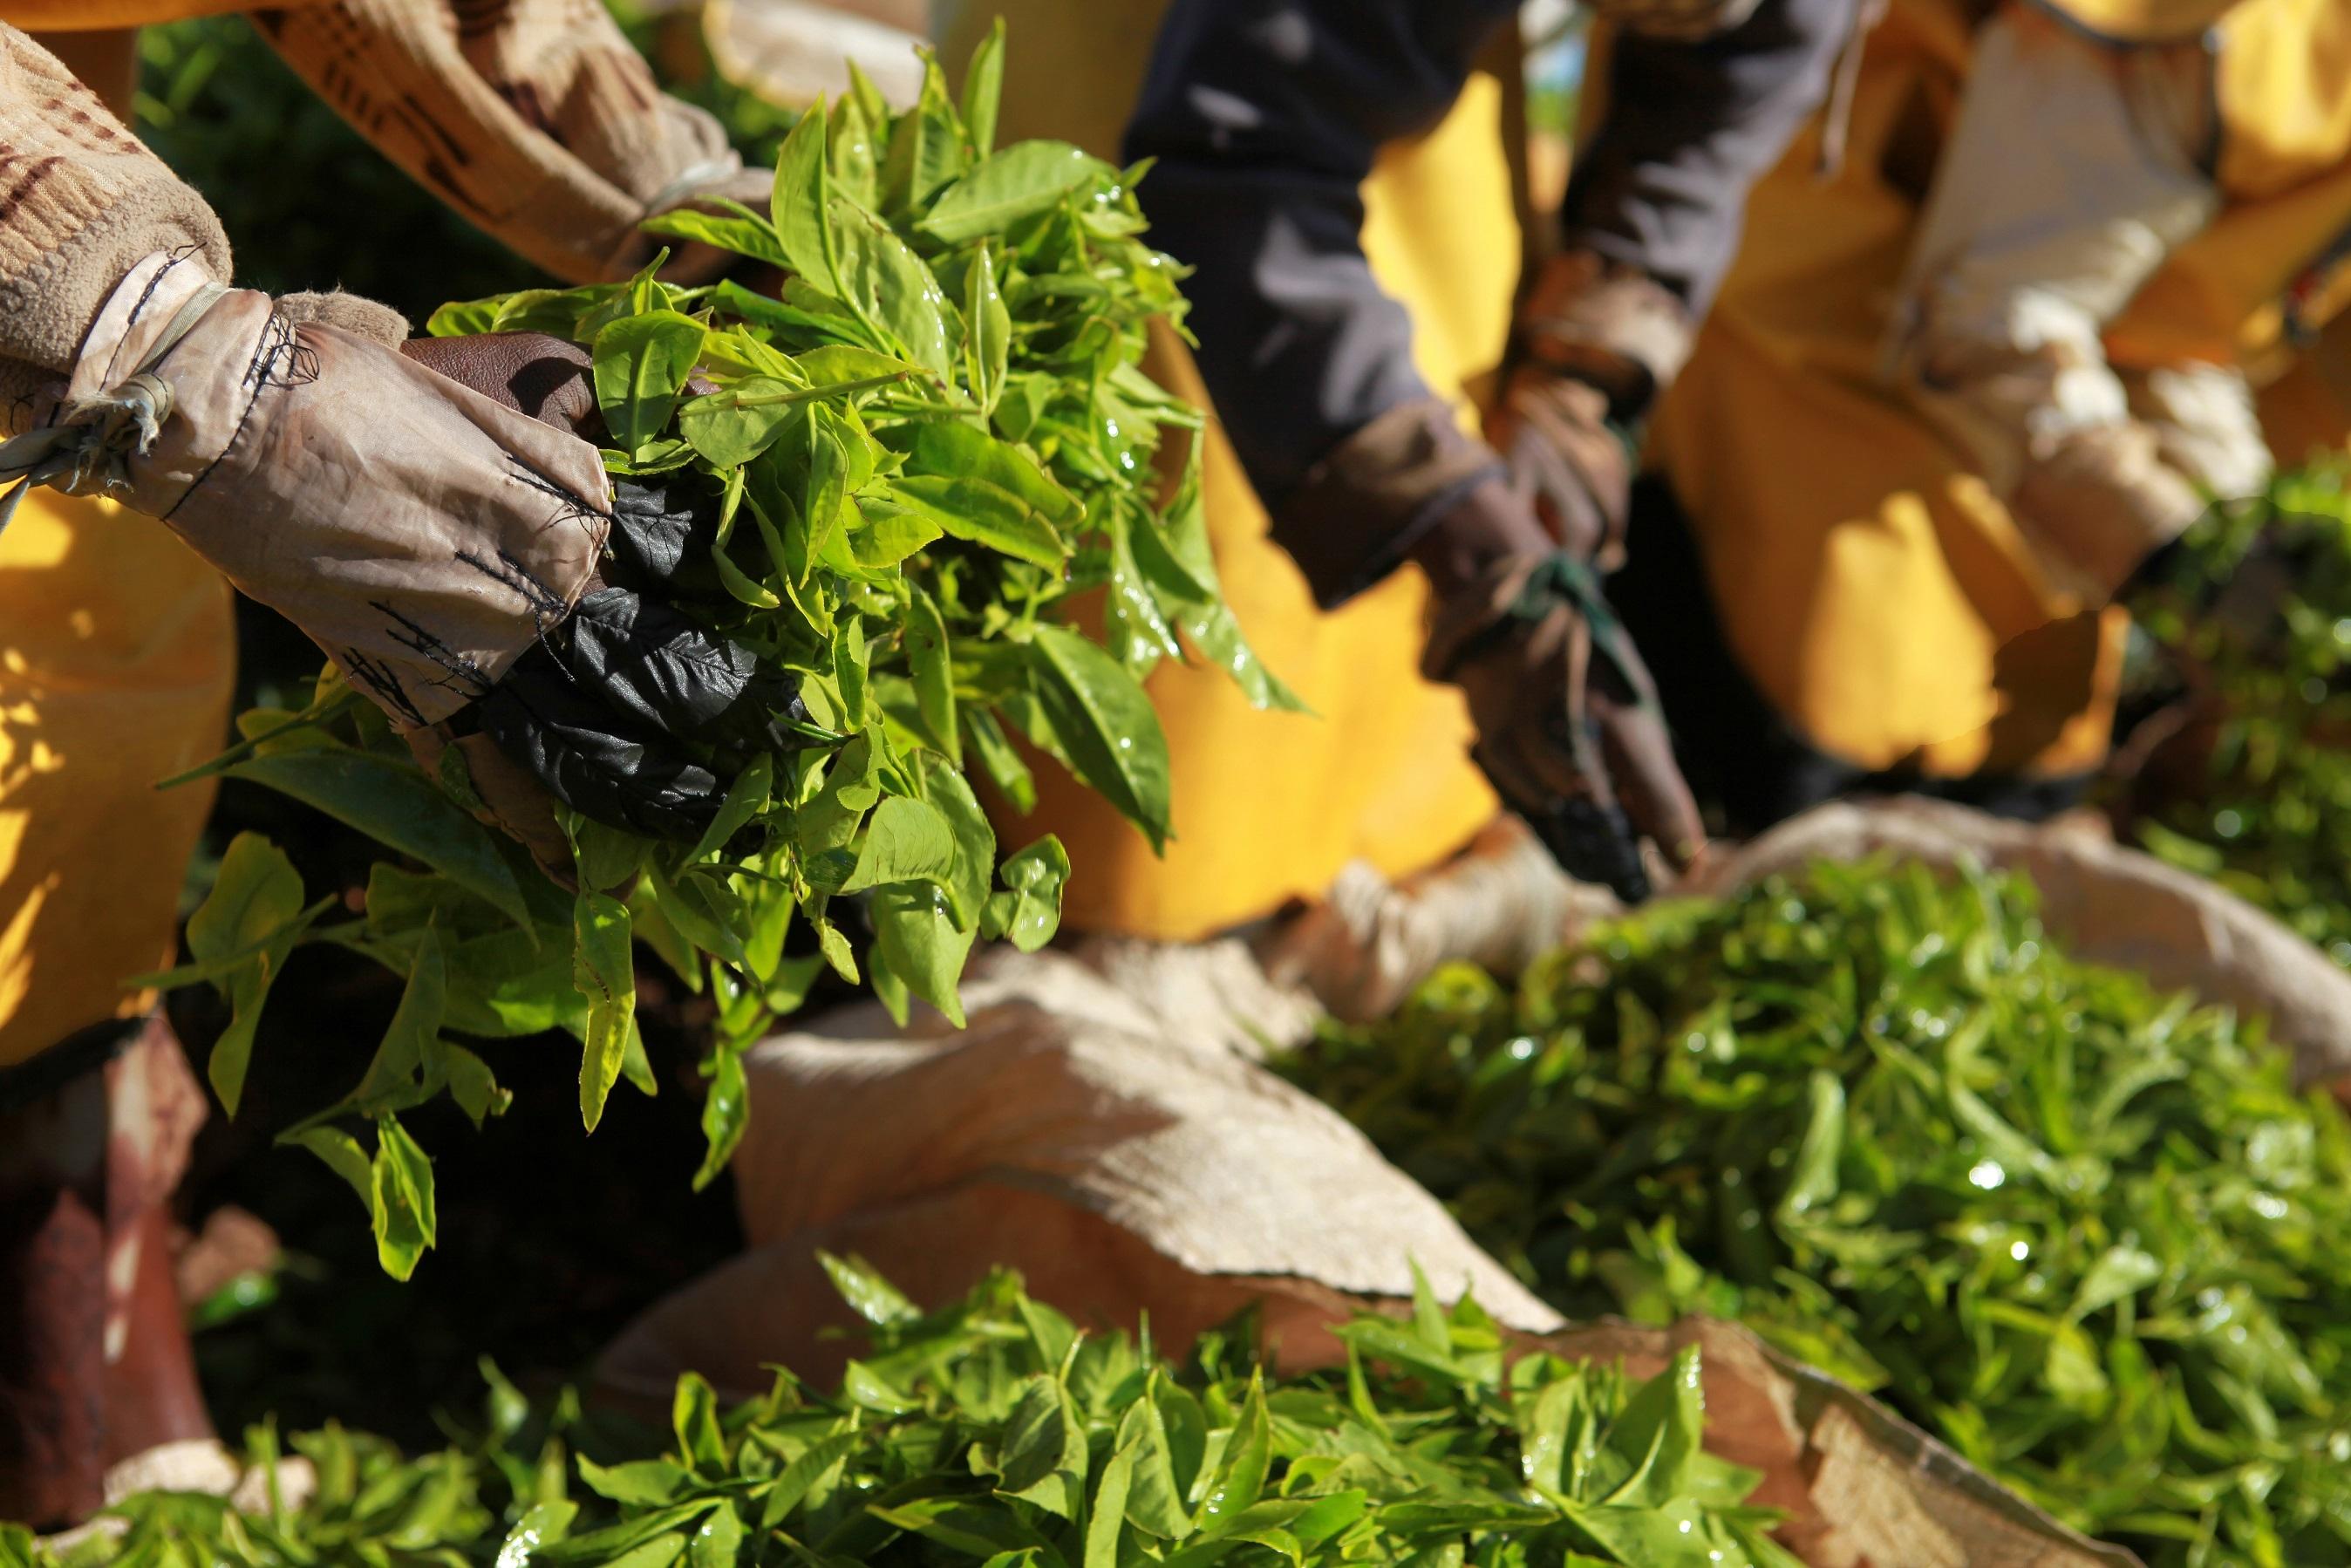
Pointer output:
x,y
1123,1165
2107,904
1862,1488
1099,1127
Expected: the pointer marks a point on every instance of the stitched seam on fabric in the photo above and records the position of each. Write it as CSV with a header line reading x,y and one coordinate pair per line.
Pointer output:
x,y
243,419
423,640
139,308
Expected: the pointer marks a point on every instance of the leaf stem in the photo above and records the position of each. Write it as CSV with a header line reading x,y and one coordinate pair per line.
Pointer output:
x,y
832,389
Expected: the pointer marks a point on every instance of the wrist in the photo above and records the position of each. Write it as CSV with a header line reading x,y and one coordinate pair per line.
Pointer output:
x,y
1487,527
1373,501
1606,324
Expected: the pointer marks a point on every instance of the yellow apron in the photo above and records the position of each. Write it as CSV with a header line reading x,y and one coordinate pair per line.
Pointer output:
x,y
2142,21
117,648
1268,806
116,651
95,16
1876,592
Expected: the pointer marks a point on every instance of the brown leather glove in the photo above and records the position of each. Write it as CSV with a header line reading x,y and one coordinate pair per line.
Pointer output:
x,y
1593,344
1568,728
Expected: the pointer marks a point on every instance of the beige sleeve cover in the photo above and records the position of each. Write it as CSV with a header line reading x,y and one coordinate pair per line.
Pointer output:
x,y
2074,169
80,202
535,119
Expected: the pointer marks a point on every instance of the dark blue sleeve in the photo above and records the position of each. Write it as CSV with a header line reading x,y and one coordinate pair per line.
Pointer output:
x,y
1264,116
1689,128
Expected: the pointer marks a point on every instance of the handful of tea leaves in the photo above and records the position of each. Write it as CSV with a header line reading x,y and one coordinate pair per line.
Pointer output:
x,y
935,437
994,1433
2087,1234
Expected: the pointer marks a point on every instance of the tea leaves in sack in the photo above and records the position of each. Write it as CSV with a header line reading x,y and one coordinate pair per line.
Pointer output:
x,y
2087,1234
993,1432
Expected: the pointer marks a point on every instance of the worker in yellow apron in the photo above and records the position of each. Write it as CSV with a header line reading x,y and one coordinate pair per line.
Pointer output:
x,y
1831,597
1886,604
116,643
1349,390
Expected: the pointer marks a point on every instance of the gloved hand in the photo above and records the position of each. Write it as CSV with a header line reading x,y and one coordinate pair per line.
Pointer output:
x,y
434,539
628,712
1568,730
1592,345
423,536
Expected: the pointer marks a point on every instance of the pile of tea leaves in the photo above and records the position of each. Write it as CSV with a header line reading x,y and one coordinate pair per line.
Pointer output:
x,y
2087,1234
994,1433
921,450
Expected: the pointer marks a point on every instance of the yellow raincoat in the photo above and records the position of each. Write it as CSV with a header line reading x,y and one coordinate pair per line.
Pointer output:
x,y
117,652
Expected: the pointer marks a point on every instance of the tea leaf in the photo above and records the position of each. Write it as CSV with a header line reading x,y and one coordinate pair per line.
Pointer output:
x,y
642,364
1107,727
1017,183
604,974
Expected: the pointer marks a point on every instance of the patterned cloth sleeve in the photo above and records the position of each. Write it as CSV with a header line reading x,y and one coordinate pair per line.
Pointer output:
x,y
535,119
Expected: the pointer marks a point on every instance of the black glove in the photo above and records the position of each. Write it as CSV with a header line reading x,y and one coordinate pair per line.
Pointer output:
x,y
630,713
626,711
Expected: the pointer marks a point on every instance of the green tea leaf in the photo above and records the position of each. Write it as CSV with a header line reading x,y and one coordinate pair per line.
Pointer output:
x,y
729,427
642,364
888,285
1176,563
413,1039
1247,1461
1813,1179
398,807
725,1116
984,513
967,884
906,841
915,935
741,232
928,652
1028,911
693,1417
475,1087
401,1196
802,203
1018,183
1005,767
988,342
252,918
604,972
983,88
867,1294
1106,725
1108,1512
746,799
927,147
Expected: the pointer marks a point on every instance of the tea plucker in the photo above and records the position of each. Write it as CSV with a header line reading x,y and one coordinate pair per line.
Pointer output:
x,y
450,552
